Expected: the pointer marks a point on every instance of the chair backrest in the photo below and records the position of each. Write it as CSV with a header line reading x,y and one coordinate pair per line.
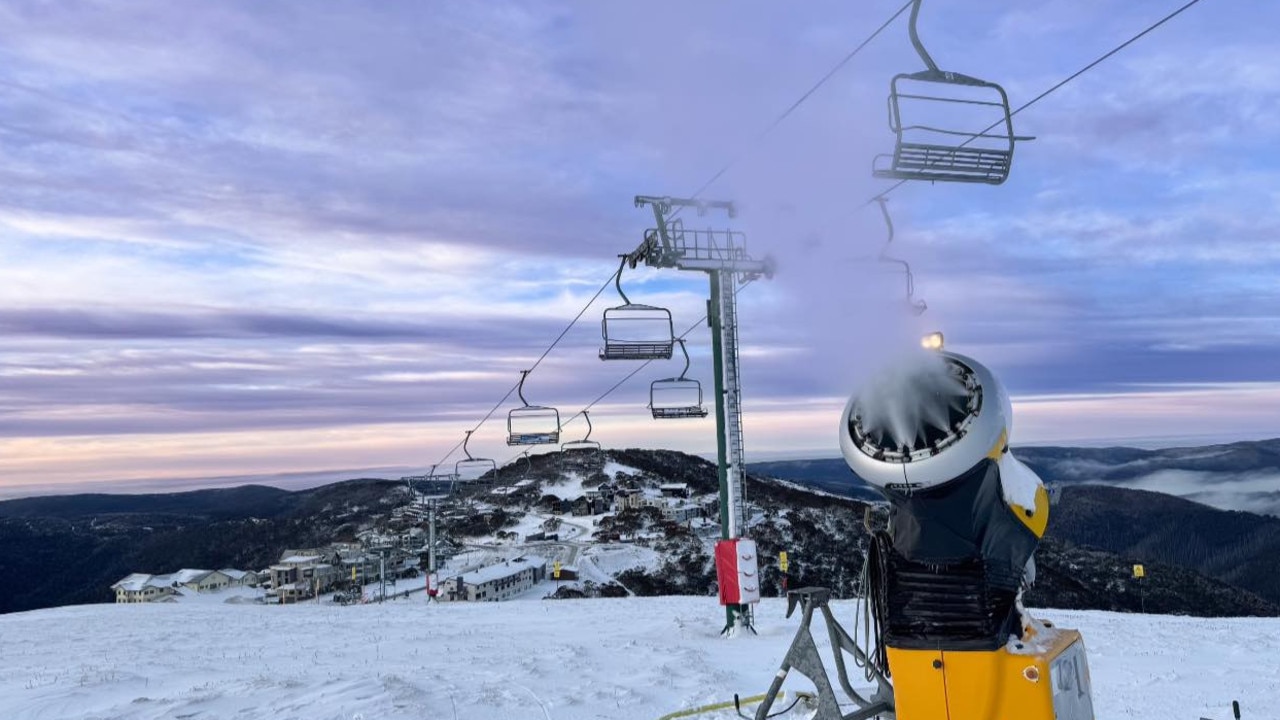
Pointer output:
x,y
533,425
950,127
637,332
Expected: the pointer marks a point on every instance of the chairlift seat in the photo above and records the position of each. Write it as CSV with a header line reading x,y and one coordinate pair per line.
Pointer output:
x,y
637,332
474,469
675,398
533,438
675,413
621,350
533,425
976,143
586,446
923,161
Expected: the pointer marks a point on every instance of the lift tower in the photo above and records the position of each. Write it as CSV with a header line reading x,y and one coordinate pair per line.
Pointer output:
x,y
722,255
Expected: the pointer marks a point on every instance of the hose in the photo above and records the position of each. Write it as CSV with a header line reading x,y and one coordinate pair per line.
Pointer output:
x,y
720,706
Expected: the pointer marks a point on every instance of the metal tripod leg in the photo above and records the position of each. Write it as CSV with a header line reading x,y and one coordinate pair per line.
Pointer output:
x,y
803,656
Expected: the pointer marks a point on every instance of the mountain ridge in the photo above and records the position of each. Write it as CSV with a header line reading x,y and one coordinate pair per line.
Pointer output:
x,y
94,541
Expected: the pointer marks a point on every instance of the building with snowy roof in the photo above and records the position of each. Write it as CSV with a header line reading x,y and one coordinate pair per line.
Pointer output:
x,y
141,587
500,581
680,490
240,578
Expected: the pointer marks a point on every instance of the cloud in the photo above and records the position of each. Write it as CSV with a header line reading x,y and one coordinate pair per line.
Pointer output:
x,y
236,123
1251,492
295,224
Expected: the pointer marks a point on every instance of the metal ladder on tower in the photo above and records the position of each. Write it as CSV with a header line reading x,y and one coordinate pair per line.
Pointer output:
x,y
733,400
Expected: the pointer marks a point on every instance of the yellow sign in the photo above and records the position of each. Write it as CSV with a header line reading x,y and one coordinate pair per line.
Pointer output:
x,y
782,561
1139,571
353,573
555,570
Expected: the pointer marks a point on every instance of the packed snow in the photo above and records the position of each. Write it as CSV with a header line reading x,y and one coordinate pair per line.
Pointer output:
x,y
531,658
615,558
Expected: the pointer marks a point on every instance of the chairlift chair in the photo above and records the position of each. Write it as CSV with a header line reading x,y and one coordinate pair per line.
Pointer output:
x,y
916,307
442,478
532,424
950,127
586,444
635,332
471,468
677,397
437,486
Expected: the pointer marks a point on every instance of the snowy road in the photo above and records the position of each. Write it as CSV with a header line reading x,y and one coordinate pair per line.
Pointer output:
x,y
529,660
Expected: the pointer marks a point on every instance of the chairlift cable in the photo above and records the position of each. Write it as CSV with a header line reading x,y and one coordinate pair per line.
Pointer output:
x,y
896,185
1105,57
537,362
634,372
720,173
795,105
1188,5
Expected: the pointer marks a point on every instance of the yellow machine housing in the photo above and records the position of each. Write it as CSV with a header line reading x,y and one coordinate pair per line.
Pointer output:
x,y
1045,677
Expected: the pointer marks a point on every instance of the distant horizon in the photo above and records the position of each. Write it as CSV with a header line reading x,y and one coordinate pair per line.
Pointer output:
x,y
305,480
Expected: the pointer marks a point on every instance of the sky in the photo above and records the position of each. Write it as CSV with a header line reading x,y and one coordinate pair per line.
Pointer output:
x,y
250,239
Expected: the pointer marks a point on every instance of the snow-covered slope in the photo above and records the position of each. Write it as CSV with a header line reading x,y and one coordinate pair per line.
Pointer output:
x,y
534,659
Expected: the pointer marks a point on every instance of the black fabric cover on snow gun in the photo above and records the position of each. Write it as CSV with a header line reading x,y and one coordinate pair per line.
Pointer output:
x,y
956,562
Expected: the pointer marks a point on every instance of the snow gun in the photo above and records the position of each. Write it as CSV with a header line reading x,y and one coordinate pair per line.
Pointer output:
x,y
948,638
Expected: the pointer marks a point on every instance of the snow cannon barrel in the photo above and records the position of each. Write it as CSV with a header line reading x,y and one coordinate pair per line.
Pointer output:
x,y
932,434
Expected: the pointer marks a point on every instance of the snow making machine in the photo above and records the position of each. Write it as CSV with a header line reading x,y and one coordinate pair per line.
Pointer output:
x,y
943,580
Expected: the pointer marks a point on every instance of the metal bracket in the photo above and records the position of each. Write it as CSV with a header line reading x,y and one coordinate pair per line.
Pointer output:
x,y
804,657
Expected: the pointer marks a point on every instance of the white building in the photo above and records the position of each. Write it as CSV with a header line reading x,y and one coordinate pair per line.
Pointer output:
x,y
500,581
240,578
681,512
628,500
140,587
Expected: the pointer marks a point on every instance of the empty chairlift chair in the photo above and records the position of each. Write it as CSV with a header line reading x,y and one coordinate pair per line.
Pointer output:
x,y
677,397
426,489
439,485
472,469
532,424
950,127
527,467
584,446
915,307
635,332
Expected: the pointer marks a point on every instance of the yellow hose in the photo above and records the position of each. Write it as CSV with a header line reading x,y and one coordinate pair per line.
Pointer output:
x,y
717,706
